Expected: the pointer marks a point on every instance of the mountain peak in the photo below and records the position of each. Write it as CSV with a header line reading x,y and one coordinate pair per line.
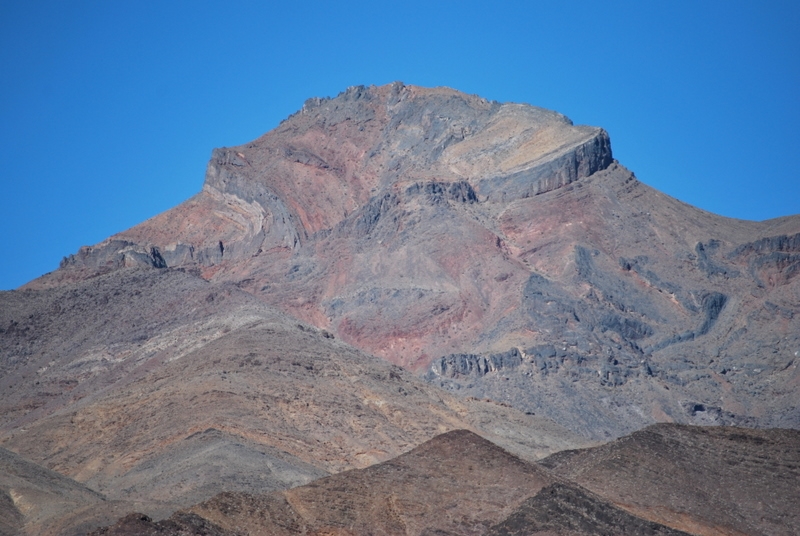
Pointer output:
x,y
491,247
336,154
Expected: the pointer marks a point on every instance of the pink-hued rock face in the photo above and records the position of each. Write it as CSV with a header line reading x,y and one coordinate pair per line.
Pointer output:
x,y
360,214
439,231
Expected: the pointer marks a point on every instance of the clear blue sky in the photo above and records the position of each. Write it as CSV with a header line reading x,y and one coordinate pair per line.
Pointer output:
x,y
109,109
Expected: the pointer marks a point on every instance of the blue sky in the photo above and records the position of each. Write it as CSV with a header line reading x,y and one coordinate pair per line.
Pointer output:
x,y
109,110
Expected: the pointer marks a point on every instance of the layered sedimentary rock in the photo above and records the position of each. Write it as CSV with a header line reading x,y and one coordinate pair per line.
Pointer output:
x,y
496,251
424,224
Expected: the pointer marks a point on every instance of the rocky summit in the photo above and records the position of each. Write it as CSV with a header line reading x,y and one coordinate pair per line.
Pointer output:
x,y
500,251
384,267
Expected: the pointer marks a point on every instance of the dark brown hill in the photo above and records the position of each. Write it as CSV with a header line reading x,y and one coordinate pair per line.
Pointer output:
x,y
665,480
563,509
180,524
500,250
456,483
704,480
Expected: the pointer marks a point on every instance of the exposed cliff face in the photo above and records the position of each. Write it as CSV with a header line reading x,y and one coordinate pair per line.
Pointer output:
x,y
337,155
422,224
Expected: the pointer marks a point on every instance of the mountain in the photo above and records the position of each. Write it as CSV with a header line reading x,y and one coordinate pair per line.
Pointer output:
x,y
664,480
456,483
382,268
703,480
499,250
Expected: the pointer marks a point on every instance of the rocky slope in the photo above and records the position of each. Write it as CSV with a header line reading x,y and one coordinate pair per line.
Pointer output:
x,y
567,509
664,480
456,483
703,480
441,231
31,496
158,390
